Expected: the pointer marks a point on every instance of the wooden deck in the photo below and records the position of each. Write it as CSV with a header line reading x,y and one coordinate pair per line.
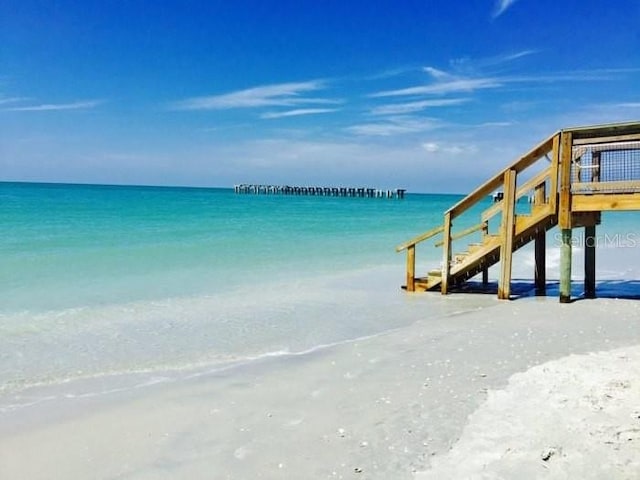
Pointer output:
x,y
572,177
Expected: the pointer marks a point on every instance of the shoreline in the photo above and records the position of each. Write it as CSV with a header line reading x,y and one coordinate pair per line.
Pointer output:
x,y
382,407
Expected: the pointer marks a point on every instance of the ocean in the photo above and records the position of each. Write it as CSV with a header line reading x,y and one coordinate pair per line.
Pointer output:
x,y
147,284
111,280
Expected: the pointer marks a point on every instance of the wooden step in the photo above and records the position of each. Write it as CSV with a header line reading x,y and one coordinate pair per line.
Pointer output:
x,y
538,209
459,257
474,247
435,273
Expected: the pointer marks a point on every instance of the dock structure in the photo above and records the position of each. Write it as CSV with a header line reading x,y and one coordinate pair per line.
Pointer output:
x,y
567,181
362,192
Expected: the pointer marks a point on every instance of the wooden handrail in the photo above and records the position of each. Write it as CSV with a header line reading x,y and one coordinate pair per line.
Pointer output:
x,y
496,181
420,238
531,184
464,233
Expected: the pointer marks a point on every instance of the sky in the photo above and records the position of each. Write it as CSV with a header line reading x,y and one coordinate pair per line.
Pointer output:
x,y
431,95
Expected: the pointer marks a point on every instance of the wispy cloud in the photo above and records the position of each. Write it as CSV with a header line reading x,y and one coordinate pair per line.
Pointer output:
x,y
7,100
464,85
278,95
501,7
50,107
470,65
297,112
445,83
412,107
395,126
449,148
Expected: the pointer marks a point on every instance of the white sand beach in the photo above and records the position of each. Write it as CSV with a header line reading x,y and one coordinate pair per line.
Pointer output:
x,y
508,390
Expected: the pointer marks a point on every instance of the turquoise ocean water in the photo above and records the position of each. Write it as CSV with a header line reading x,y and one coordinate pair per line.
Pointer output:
x,y
102,281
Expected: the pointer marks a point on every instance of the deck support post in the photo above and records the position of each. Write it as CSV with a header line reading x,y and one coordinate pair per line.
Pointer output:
x,y
446,254
411,268
485,276
565,216
540,274
540,263
590,240
565,266
508,227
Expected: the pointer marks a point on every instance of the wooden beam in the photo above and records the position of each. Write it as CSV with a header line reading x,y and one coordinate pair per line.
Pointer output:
x,y
596,186
606,201
446,254
540,249
411,268
585,219
610,139
612,129
507,234
464,233
564,214
425,236
555,173
590,241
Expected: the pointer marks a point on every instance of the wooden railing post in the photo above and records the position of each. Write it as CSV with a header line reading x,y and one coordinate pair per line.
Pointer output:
x,y
555,169
564,216
485,269
506,241
540,248
411,268
446,254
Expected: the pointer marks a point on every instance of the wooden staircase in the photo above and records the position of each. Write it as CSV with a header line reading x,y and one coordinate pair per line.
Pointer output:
x,y
555,193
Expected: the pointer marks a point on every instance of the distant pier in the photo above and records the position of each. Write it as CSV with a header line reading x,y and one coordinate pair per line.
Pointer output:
x,y
362,192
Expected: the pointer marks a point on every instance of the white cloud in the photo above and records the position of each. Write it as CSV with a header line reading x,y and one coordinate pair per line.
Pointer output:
x,y
278,95
6,100
395,126
410,107
629,105
449,148
446,83
466,85
468,64
494,124
48,107
297,112
502,6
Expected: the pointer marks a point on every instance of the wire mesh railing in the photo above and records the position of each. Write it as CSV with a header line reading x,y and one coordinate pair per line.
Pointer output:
x,y
606,168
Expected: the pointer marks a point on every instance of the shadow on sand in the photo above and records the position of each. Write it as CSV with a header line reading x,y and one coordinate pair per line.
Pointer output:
x,y
520,288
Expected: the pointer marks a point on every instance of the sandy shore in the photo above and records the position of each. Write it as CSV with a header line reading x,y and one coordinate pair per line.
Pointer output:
x,y
390,406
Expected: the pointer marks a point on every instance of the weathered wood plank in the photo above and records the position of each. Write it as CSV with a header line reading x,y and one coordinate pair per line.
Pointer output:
x,y
507,233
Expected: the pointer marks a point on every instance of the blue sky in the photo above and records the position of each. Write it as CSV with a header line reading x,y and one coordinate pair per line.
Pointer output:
x,y
430,95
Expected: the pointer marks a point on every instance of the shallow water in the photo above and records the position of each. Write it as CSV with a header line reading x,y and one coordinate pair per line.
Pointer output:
x,y
101,281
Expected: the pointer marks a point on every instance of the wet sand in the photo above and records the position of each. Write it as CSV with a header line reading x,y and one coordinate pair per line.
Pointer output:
x,y
389,406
